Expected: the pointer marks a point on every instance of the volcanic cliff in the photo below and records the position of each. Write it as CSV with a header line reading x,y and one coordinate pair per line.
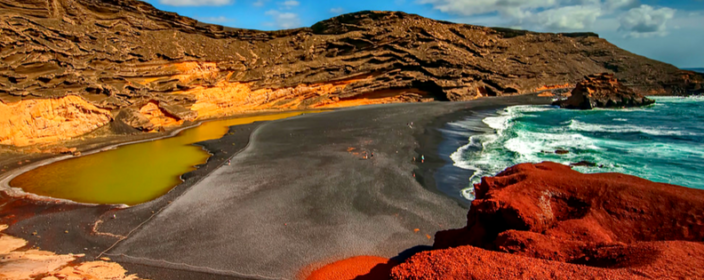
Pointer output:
x,y
125,64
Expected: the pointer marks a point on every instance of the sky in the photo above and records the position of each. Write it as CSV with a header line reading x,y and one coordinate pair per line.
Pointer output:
x,y
670,31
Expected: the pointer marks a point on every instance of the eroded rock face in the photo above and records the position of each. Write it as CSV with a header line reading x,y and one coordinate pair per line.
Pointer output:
x,y
544,218
122,54
603,91
36,121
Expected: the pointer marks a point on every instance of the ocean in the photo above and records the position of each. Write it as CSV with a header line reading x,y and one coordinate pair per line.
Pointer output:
x,y
663,142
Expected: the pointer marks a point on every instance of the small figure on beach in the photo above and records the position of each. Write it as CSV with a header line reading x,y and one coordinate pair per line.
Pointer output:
x,y
422,159
365,155
372,155
229,161
414,159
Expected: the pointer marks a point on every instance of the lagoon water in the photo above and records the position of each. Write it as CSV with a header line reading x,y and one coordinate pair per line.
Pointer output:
x,y
663,142
130,174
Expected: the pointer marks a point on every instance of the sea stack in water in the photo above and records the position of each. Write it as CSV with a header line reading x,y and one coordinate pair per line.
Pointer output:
x,y
547,221
603,91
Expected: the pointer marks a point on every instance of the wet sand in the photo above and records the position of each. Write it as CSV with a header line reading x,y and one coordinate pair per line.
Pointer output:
x,y
297,196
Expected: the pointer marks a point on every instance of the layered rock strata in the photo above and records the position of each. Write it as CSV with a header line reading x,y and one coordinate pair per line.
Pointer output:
x,y
603,91
122,55
547,221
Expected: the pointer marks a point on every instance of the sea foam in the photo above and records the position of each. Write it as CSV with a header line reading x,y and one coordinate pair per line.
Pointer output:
x,y
655,143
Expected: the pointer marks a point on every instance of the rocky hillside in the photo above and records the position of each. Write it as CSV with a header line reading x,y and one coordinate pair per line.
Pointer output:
x,y
133,66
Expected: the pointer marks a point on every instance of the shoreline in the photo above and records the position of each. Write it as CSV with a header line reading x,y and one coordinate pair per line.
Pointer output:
x,y
440,171
92,224
9,175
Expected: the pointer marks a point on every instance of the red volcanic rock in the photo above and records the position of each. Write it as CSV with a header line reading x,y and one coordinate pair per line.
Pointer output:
x,y
603,91
651,260
548,221
553,200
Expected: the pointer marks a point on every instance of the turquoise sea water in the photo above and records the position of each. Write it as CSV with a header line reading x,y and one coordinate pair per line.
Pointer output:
x,y
663,142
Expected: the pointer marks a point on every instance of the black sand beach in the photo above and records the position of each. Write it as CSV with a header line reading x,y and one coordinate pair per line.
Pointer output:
x,y
296,196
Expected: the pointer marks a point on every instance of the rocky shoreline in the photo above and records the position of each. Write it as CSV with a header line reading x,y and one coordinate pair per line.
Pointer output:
x,y
551,222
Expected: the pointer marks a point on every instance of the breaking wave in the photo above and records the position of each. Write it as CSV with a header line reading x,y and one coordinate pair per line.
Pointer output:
x,y
661,143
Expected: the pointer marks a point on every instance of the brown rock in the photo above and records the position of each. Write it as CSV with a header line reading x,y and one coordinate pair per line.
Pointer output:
x,y
603,91
133,118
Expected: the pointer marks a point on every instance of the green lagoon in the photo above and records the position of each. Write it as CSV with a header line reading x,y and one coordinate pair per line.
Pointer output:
x,y
133,173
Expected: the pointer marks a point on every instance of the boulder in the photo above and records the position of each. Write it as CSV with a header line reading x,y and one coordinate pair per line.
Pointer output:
x,y
603,91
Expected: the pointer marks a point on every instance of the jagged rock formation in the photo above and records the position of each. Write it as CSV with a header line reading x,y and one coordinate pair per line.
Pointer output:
x,y
122,55
603,91
547,221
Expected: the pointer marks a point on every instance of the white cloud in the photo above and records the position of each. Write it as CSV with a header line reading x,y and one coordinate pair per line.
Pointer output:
x,y
566,18
196,2
220,19
284,20
612,5
551,15
478,7
290,4
337,10
259,3
645,21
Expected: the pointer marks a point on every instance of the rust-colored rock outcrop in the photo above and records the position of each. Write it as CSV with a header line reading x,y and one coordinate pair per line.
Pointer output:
x,y
121,55
548,221
603,91
654,260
